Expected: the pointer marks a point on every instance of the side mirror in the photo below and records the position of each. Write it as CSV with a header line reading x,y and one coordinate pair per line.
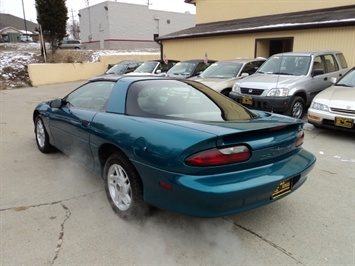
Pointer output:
x,y
317,72
57,103
158,71
243,75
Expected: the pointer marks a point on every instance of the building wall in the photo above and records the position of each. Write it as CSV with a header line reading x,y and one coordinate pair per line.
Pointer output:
x,y
114,25
42,74
237,9
244,45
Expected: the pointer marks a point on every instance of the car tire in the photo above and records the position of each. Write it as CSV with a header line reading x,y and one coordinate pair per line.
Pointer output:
x,y
42,137
124,188
296,107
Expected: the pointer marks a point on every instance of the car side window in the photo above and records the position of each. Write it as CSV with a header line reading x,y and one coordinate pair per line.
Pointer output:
x,y
201,67
91,96
330,63
131,67
249,68
257,64
342,60
318,63
165,67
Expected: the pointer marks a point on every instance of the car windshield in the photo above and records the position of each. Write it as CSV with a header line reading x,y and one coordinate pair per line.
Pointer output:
x,y
286,65
187,100
146,67
182,68
222,70
117,69
348,79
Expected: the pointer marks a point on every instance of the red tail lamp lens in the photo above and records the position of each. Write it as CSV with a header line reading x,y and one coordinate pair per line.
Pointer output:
x,y
216,156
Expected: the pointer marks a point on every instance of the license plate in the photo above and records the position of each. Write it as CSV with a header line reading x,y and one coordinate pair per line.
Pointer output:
x,y
343,122
247,100
283,188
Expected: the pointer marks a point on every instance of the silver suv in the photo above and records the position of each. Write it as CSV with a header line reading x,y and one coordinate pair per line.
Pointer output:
x,y
286,83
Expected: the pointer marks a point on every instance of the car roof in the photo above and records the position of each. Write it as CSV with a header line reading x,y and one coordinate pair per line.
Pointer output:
x,y
162,61
197,61
115,78
309,53
241,60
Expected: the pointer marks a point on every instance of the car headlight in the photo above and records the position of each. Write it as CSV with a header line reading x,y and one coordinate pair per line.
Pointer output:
x,y
235,87
278,92
319,106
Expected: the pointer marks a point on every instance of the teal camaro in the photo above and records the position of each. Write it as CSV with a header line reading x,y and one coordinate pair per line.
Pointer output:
x,y
177,145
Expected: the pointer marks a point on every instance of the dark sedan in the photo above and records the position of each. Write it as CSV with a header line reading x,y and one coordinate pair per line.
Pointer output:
x,y
123,67
176,145
189,68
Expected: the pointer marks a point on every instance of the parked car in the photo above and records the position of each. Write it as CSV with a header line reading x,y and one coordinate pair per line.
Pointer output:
x,y
153,67
175,144
121,68
334,107
26,38
189,68
287,82
70,44
222,75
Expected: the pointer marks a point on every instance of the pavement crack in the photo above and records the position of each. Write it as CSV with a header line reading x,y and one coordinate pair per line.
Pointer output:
x,y
61,234
265,240
23,208
326,171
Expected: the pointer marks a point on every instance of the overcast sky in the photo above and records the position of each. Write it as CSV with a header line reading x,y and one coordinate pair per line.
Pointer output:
x,y
14,7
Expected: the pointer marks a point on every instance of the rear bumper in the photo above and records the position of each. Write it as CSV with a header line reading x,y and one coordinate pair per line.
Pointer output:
x,y
223,194
275,104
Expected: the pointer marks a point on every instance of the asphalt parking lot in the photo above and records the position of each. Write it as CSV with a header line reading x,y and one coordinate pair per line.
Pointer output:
x,y
54,212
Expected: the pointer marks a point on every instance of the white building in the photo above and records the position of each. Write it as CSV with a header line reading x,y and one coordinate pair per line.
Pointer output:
x,y
114,25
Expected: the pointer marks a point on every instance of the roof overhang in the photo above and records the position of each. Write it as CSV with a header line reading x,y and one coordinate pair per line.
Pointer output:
x,y
313,19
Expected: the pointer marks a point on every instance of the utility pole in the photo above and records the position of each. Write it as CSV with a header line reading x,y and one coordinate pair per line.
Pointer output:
x,y
24,19
90,32
74,26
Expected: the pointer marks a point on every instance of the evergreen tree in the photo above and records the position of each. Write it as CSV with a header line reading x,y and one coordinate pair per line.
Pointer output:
x,y
52,16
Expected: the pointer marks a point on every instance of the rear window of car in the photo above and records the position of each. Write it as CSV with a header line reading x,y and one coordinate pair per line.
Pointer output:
x,y
186,100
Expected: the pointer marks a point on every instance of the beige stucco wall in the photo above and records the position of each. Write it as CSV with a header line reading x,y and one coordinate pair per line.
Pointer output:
x,y
236,9
44,74
243,45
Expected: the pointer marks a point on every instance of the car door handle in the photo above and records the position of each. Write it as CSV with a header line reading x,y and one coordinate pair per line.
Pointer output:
x,y
85,123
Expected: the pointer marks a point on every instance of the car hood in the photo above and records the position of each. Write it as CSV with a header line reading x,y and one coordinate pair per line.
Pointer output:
x,y
217,83
337,96
269,81
177,76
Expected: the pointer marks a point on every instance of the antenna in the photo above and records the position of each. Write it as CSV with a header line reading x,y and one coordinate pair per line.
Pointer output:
x,y
86,2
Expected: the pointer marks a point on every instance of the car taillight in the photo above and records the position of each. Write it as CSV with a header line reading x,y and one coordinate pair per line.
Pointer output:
x,y
299,138
216,156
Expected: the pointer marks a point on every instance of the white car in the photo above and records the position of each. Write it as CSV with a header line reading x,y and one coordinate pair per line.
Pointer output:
x,y
334,107
222,75
70,44
26,38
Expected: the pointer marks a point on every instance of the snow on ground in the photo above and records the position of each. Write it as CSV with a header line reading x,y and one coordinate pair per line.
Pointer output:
x,y
14,58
